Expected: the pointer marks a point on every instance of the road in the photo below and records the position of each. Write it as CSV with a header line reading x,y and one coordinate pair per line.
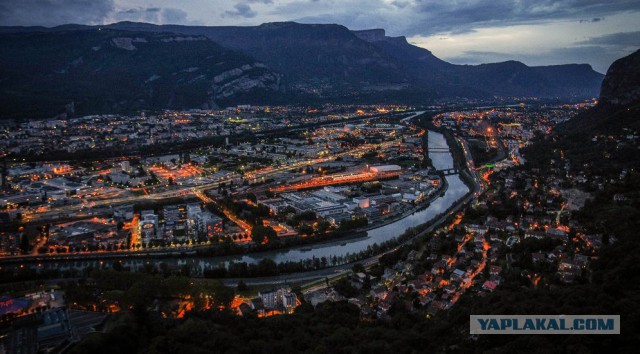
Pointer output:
x,y
233,217
83,210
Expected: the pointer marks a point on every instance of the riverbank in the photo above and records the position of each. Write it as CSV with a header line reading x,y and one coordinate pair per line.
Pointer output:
x,y
422,205
201,250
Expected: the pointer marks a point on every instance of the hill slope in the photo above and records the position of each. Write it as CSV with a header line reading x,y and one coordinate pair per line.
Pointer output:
x,y
619,105
621,85
105,71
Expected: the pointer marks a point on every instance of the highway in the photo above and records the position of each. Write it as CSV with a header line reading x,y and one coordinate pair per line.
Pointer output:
x,y
83,209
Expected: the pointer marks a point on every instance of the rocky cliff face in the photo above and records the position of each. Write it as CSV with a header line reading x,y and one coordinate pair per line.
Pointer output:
x,y
372,35
619,105
333,61
621,85
119,71
238,81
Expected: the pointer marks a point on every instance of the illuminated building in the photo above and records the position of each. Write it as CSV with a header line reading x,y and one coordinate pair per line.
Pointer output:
x,y
385,168
148,224
175,220
210,224
281,299
125,166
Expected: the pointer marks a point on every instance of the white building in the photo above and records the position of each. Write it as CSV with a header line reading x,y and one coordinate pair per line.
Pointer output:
x,y
385,168
148,225
125,166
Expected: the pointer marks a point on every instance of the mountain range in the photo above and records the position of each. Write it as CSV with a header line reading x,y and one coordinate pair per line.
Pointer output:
x,y
128,66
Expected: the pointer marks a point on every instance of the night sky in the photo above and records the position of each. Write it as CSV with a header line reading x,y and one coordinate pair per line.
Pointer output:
x,y
536,32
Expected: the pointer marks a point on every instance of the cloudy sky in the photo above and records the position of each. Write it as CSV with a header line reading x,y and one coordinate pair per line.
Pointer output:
x,y
536,32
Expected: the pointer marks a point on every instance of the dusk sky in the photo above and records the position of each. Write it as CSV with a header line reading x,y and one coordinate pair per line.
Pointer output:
x,y
536,32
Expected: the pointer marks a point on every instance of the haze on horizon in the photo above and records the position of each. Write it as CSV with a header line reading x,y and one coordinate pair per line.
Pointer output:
x,y
536,32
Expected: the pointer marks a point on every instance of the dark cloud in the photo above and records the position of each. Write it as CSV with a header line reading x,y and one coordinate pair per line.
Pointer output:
x,y
445,16
621,39
400,4
593,20
241,10
428,17
54,12
175,16
399,17
153,15
138,15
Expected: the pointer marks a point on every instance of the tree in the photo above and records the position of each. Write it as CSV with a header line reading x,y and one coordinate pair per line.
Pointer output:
x,y
25,244
323,227
358,268
261,233
224,296
117,266
305,229
242,286
344,288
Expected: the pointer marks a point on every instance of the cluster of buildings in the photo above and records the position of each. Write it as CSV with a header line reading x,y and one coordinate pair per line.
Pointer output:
x,y
519,122
13,307
28,186
83,236
519,230
125,230
103,132
272,302
472,255
513,127
40,322
336,203
177,223
370,169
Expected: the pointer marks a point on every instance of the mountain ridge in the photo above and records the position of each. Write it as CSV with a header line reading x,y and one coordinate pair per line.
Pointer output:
x,y
329,63
449,80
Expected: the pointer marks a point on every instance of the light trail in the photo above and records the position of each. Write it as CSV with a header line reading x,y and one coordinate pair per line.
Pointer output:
x,y
317,182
